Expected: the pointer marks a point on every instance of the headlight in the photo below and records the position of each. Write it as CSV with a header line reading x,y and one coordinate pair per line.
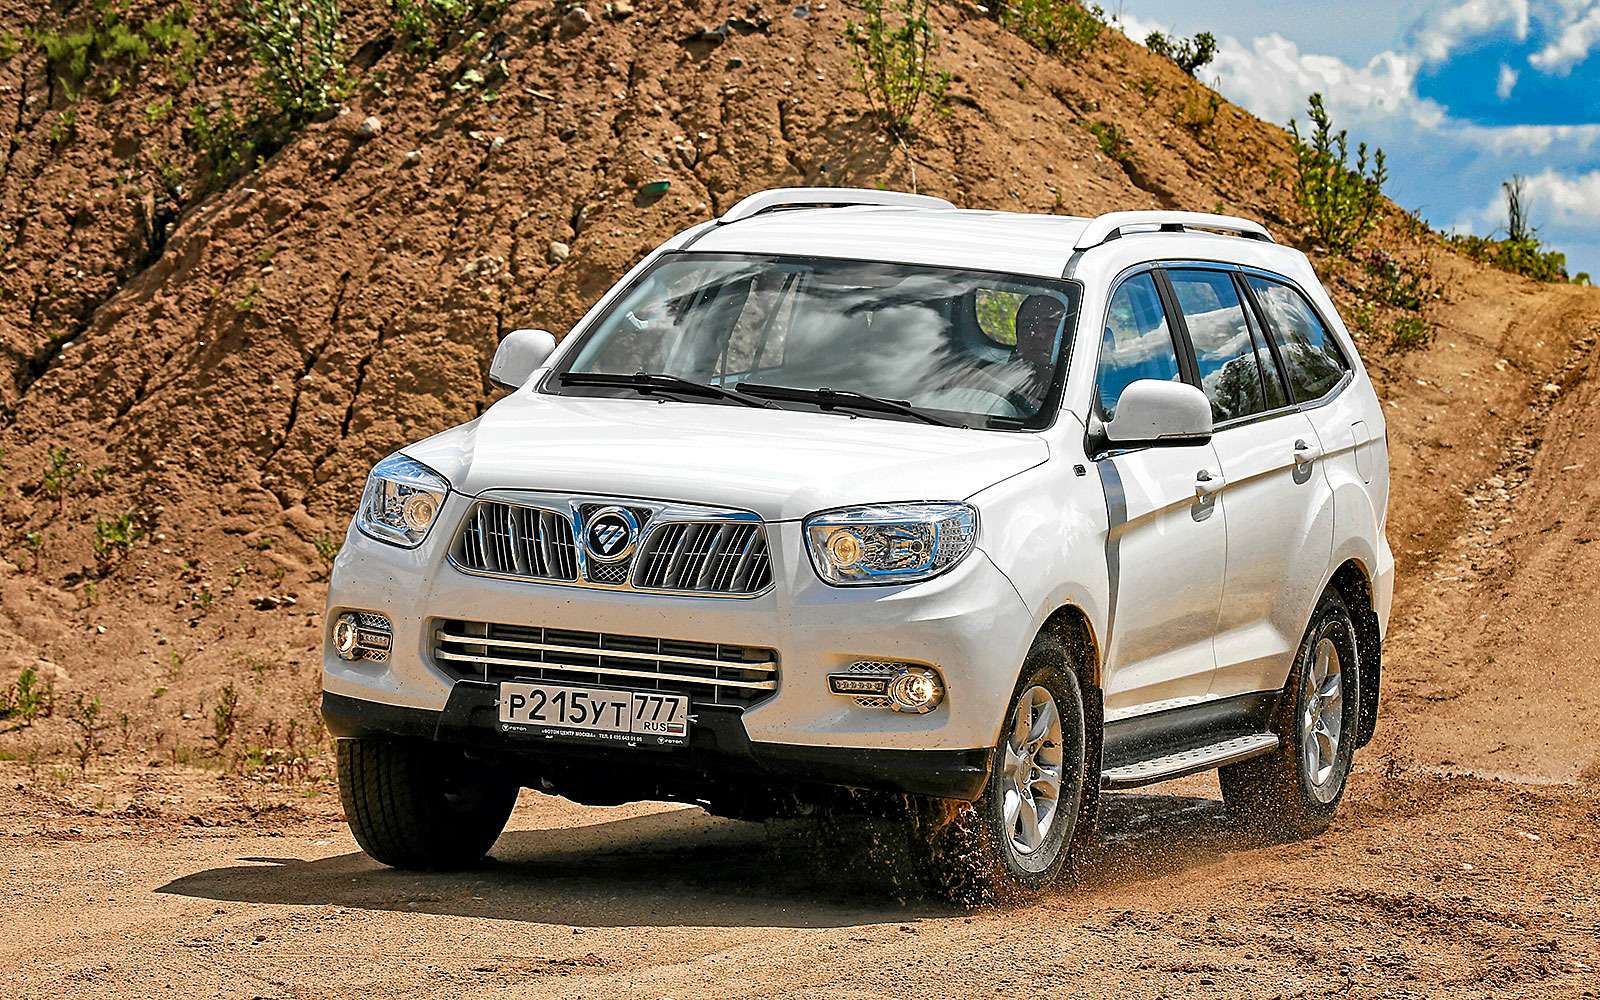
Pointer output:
x,y
890,543
401,501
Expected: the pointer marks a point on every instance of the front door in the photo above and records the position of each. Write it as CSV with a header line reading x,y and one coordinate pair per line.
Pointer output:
x,y
1166,543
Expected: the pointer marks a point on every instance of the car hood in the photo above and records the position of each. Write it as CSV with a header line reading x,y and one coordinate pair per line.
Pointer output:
x,y
781,464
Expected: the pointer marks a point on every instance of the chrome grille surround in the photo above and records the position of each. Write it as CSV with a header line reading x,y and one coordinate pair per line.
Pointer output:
x,y
709,673
683,549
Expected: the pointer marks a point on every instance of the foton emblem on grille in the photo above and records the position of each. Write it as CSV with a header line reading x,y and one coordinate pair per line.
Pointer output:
x,y
609,535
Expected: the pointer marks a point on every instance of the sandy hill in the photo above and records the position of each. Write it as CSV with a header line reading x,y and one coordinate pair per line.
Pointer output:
x,y
223,364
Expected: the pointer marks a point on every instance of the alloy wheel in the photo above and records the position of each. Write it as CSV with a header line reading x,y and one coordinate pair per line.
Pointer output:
x,y
1032,775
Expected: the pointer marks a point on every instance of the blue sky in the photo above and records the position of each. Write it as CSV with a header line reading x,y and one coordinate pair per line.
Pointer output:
x,y
1461,94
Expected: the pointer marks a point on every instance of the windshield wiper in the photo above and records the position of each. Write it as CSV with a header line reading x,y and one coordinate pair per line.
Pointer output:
x,y
842,399
648,382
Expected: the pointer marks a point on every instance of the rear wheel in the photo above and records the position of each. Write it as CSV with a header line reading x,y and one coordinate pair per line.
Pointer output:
x,y
1296,789
418,805
1016,838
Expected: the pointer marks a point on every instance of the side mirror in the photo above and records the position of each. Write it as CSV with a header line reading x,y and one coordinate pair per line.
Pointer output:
x,y
519,355
1153,413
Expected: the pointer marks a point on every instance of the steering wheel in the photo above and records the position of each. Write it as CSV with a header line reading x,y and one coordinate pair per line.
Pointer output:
x,y
991,385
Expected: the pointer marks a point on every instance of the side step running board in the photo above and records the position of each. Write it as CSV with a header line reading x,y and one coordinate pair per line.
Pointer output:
x,y
1176,765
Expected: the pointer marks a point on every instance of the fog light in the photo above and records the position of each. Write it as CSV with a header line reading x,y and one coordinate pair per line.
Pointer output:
x,y
361,635
916,690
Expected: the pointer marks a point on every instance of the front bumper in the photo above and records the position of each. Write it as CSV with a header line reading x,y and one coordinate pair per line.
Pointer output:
x,y
970,624
719,754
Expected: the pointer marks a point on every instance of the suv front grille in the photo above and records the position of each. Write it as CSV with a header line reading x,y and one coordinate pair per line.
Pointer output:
x,y
681,549
709,673
518,541
728,557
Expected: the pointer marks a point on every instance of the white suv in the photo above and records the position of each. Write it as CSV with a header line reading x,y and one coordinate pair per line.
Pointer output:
x,y
851,492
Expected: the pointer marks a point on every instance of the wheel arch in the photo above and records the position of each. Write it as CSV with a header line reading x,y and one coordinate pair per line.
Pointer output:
x,y
1352,580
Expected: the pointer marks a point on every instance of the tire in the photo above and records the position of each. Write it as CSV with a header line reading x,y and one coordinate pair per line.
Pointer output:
x,y
421,806
1295,790
985,851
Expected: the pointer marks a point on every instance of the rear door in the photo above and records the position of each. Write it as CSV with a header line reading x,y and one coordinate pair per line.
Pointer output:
x,y
1277,504
1166,542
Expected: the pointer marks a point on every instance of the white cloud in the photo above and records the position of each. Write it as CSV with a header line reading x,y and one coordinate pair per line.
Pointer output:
x,y
1443,30
1565,199
1506,83
1530,140
1580,32
1550,198
1273,78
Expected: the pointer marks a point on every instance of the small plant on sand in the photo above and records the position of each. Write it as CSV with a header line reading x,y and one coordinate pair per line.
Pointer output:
x,y
223,139
1063,27
427,27
1113,141
225,716
60,471
327,550
114,538
27,698
85,716
33,541
1189,54
1340,204
893,57
1520,252
299,49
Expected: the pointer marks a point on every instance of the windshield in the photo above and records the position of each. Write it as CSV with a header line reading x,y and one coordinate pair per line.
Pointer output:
x,y
973,347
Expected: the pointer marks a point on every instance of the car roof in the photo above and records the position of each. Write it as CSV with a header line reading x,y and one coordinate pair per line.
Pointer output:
x,y
1010,242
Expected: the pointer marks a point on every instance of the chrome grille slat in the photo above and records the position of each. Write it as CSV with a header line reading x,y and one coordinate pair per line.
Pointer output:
x,y
608,671
626,654
710,673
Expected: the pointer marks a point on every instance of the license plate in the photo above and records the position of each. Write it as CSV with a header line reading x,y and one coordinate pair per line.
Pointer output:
x,y
605,715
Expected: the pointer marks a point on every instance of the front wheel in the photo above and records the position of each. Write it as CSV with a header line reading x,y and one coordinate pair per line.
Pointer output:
x,y
1015,839
421,806
1296,789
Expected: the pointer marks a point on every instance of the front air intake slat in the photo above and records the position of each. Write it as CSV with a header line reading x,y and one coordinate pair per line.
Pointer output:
x,y
709,673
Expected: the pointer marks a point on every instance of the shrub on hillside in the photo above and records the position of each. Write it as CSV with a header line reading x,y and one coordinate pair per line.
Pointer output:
x,y
1340,204
1188,53
426,27
297,45
1525,256
894,65
1064,27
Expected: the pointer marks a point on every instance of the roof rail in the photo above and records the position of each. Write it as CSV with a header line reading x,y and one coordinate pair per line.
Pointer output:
x,y
821,197
1114,224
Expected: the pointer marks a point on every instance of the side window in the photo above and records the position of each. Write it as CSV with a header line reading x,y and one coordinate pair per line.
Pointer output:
x,y
1309,353
1137,342
1223,348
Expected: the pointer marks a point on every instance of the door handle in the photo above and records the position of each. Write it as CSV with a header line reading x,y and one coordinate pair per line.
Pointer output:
x,y
1205,484
1305,454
